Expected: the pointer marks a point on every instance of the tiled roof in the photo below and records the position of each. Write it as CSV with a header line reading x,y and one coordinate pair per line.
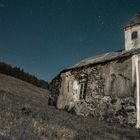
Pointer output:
x,y
134,21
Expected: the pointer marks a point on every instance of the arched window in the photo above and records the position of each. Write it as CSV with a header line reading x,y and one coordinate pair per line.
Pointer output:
x,y
83,86
134,35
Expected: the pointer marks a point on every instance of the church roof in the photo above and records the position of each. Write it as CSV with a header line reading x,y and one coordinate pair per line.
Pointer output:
x,y
134,21
98,58
107,57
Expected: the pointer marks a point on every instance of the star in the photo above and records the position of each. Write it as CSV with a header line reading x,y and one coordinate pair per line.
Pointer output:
x,y
2,5
81,40
100,20
31,12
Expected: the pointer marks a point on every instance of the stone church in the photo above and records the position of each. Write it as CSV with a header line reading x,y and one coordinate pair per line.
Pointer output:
x,y
107,86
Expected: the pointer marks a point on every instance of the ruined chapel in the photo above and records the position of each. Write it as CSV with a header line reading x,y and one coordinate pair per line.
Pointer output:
x,y
107,86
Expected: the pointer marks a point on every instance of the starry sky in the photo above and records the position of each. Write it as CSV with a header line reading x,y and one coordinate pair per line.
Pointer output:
x,y
45,36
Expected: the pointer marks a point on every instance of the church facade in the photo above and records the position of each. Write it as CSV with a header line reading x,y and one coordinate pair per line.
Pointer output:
x,y
107,86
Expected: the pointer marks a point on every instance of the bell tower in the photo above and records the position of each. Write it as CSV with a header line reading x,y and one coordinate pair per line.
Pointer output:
x,y
132,33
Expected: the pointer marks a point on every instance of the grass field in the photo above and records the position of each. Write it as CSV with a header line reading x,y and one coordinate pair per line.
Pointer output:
x,y
25,115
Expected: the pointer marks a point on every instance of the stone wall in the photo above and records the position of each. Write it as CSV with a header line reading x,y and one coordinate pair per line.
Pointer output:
x,y
108,93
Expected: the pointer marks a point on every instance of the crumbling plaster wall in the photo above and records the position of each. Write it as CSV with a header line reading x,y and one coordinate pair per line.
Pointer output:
x,y
129,43
108,93
69,91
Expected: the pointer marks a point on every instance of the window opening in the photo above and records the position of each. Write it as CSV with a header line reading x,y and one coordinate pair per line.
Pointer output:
x,y
134,35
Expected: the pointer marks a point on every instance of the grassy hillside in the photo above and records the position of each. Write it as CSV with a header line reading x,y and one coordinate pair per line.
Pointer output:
x,y
23,92
25,115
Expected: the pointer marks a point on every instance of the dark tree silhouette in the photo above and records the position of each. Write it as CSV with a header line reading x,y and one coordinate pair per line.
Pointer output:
x,y
20,74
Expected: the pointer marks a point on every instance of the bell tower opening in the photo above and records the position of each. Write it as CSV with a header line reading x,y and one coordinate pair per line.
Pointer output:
x,y
134,35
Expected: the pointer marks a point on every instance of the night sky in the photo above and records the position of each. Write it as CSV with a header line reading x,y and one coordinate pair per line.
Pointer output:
x,y
45,36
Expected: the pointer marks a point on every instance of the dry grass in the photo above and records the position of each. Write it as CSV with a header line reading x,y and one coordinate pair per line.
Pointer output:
x,y
24,115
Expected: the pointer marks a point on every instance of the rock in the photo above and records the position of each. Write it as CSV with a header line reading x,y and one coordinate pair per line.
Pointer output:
x,y
121,119
132,119
81,108
130,108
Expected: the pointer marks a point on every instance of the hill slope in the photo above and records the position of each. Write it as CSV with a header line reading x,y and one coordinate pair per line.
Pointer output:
x,y
25,115
23,91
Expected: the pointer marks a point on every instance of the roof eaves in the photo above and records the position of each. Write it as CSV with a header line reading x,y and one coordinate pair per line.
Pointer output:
x,y
123,55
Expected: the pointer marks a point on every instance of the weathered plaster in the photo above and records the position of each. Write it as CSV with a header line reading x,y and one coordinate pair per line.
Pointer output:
x,y
129,43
